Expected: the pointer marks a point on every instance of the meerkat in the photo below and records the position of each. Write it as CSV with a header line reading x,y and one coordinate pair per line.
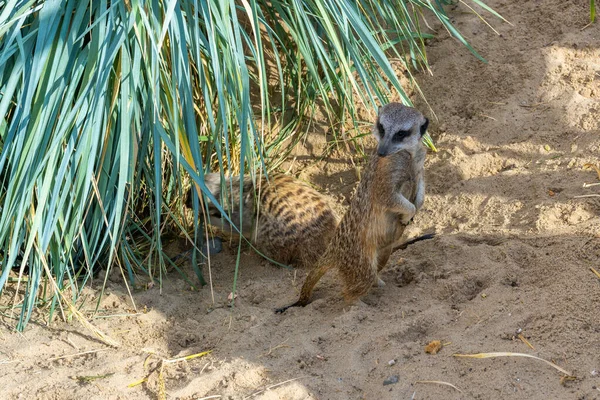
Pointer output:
x,y
389,194
290,222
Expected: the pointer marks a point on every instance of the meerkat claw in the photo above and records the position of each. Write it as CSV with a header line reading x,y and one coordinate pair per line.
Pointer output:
x,y
284,309
281,310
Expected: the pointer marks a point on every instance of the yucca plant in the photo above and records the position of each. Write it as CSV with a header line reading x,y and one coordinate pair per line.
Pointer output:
x,y
108,106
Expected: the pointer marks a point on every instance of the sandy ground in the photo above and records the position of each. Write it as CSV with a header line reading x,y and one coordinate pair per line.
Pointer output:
x,y
513,255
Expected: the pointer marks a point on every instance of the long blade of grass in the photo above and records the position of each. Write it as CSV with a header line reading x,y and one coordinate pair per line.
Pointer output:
x,y
508,354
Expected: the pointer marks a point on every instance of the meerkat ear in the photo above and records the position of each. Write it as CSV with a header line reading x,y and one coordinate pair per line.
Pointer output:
x,y
424,126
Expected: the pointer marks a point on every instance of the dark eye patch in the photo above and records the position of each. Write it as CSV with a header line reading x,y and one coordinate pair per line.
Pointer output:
x,y
424,126
400,135
380,129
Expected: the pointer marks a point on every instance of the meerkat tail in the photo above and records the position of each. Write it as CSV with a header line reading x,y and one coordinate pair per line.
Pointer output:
x,y
307,288
404,245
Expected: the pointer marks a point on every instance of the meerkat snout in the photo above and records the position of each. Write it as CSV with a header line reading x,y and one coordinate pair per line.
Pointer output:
x,y
399,127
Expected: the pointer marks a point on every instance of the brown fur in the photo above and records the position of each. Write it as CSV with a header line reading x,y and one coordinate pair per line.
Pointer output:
x,y
292,222
389,194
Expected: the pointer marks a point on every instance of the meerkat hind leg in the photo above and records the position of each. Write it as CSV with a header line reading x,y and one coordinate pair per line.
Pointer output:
x,y
383,256
307,288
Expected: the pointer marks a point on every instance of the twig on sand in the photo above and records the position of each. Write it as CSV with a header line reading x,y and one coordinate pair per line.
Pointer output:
x,y
522,338
595,272
186,358
77,354
272,386
441,383
487,116
118,315
586,26
534,105
72,344
566,378
508,354
91,378
136,383
586,195
271,349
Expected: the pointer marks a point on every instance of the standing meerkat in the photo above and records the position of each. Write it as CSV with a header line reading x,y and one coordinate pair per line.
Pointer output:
x,y
290,223
389,194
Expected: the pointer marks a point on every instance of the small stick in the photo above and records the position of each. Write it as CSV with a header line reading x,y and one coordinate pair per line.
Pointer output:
x,y
273,386
77,354
520,336
533,105
117,315
72,344
279,346
583,196
206,365
86,379
595,272
487,116
190,357
586,185
508,354
134,384
440,383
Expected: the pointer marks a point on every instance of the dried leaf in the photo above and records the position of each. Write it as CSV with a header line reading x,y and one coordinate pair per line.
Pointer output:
x,y
433,347
593,166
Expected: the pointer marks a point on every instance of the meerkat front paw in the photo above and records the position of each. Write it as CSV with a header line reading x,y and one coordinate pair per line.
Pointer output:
x,y
407,218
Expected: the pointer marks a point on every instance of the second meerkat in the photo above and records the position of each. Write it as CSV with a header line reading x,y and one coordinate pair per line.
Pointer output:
x,y
289,221
389,194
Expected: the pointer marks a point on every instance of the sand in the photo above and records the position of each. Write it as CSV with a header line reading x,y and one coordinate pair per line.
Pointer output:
x,y
512,257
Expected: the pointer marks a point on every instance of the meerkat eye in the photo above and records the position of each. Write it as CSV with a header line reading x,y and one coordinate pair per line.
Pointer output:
x,y
380,129
400,135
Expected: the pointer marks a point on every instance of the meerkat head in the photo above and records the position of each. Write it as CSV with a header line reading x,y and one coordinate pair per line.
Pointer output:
x,y
398,128
228,198
213,183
